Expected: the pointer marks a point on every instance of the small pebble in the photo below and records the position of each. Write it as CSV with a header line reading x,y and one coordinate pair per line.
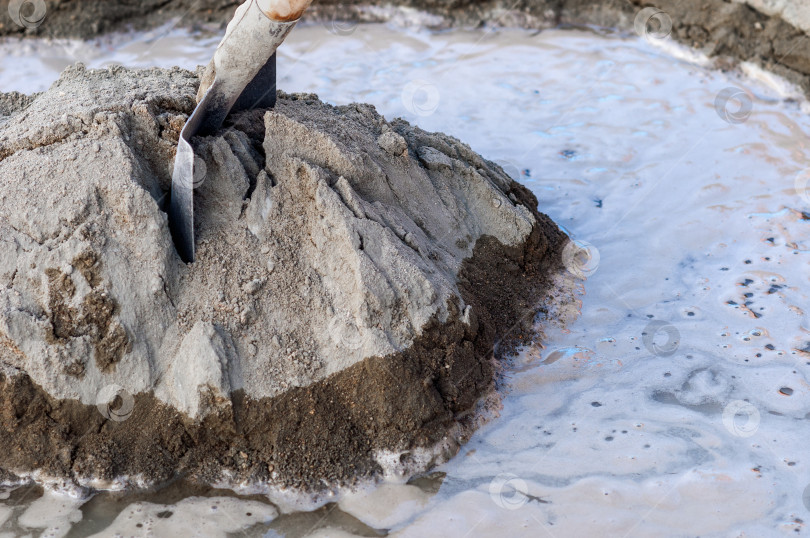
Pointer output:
x,y
392,143
253,286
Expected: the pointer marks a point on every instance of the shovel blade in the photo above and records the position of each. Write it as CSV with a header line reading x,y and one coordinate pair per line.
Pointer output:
x,y
181,207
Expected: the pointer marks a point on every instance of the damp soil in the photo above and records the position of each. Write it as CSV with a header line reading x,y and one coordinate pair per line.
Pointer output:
x,y
325,433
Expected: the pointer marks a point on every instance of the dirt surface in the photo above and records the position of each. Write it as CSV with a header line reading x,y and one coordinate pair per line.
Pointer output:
x,y
771,33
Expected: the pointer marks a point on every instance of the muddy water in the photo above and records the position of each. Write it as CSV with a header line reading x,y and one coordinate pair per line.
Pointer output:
x,y
676,401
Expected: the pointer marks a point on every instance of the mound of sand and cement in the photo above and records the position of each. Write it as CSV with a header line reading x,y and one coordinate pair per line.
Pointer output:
x,y
770,33
353,277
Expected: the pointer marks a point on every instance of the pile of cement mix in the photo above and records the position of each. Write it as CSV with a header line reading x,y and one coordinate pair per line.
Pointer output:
x,y
356,282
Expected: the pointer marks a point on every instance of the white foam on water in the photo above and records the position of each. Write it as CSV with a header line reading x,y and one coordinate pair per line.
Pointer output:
x,y
51,515
677,402
676,50
783,88
193,516
385,506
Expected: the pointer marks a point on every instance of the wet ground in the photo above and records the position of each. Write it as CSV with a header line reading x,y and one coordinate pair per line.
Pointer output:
x,y
676,403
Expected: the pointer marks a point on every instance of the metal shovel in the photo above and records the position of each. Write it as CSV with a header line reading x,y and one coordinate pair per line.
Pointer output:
x,y
241,76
